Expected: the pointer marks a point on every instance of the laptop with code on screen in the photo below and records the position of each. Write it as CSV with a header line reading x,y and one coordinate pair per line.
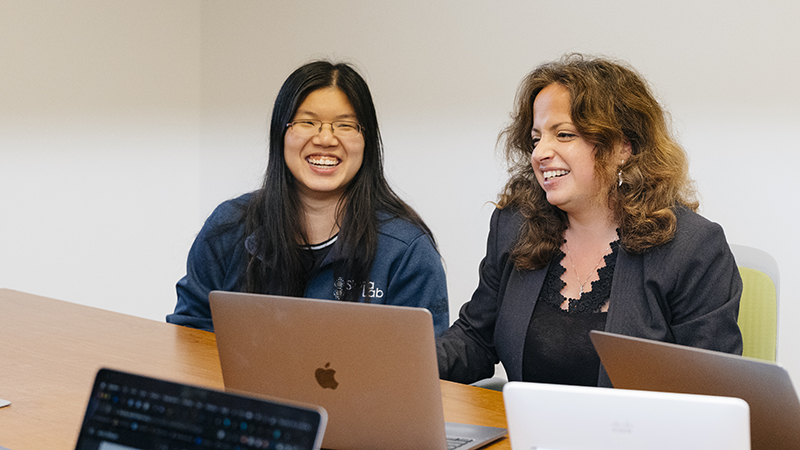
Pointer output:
x,y
560,417
128,411
372,367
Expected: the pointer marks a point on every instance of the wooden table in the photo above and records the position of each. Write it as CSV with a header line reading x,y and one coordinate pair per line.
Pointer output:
x,y
50,351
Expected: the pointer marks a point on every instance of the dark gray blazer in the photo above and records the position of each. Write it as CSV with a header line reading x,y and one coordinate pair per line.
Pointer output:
x,y
686,292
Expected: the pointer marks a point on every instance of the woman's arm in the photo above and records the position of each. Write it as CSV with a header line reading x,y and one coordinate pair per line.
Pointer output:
x,y
417,279
704,304
466,351
215,262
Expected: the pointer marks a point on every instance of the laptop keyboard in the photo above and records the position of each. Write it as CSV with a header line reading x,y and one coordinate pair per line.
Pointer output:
x,y
456,442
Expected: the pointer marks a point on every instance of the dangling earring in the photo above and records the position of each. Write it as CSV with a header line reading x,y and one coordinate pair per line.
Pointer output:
x,y
619,174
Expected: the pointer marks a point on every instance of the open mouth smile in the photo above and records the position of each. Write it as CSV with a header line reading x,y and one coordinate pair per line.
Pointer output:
x,y
323,161
550,174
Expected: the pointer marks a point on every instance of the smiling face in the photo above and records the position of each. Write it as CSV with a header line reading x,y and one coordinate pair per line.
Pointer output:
x,y
564,162
324,164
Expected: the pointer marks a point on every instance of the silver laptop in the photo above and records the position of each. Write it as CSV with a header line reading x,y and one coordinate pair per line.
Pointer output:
x,y
634,363
127,411
372,367
548,416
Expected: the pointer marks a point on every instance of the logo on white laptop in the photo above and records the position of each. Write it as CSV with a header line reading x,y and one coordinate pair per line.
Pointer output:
x,y
325,377
621,427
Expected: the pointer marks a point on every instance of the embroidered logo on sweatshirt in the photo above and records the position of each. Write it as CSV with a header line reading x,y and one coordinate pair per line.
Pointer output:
x,y
368,290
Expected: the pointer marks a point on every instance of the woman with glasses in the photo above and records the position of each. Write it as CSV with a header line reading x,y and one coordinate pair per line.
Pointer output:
x,y
325,224
595,230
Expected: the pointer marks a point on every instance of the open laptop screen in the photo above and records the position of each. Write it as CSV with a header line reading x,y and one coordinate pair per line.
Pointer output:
x,y
127,411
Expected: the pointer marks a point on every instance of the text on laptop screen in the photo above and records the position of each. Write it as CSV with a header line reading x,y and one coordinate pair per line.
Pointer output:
x,y
131,412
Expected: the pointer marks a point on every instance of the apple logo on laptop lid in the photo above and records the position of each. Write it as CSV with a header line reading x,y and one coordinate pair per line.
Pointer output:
x,y
325,377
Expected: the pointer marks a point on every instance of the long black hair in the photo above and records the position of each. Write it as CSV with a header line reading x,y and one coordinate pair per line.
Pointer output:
x,y
274,215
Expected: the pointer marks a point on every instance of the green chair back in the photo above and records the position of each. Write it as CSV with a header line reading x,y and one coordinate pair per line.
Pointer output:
x,y
758,310
758,314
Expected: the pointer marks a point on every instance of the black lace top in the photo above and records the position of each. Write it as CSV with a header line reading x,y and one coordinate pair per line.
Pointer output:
x,y
557,346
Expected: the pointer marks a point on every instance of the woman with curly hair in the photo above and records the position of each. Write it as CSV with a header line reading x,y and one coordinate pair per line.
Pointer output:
x,y
596,229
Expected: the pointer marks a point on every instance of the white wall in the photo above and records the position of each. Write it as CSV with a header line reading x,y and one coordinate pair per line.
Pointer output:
x,y
125,123
99,168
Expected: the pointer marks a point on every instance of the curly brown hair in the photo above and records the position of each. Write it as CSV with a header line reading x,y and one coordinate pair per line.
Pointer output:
x,y
611,104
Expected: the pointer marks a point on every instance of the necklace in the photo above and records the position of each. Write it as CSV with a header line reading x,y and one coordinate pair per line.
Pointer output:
x,y
578,277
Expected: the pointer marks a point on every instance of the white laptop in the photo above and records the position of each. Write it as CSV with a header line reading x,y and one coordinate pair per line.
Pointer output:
x,y
634,363
372,367
558,417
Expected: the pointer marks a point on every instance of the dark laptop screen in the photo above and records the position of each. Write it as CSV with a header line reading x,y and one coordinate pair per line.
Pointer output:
x,y
129,411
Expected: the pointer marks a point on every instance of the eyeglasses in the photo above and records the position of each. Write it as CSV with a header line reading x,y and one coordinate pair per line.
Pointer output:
x,y
339,128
